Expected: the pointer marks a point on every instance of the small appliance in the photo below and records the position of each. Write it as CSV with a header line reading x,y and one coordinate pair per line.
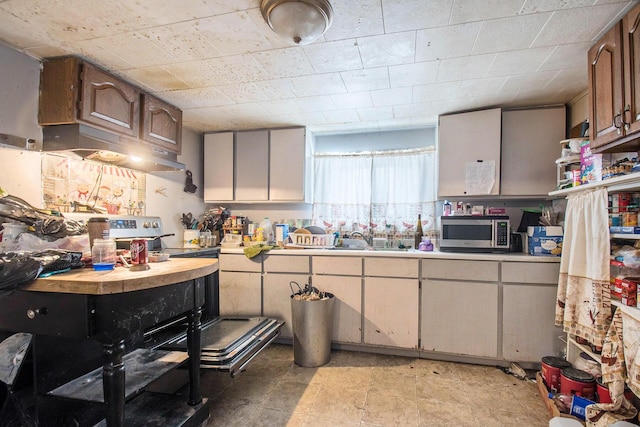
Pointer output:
x,y
475,233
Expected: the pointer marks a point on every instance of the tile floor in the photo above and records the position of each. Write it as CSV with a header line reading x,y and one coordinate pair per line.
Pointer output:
x,y
361,389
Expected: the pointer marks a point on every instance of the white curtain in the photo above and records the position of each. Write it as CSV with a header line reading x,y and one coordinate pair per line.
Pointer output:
x,y
583,305
374,192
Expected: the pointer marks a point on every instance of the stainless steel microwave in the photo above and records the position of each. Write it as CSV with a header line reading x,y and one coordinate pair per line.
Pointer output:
x,y
475,233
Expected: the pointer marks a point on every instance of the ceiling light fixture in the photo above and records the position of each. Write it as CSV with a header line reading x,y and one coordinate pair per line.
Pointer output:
x,y
300,21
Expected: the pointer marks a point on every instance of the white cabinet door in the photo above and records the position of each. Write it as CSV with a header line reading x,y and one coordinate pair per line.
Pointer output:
x,y
277,298
218,167
287,165
347,315
468,142
460,317
240,294
252,166
530,146
528,329
391,312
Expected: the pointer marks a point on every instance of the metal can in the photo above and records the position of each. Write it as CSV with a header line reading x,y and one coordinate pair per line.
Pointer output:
x,y
139,251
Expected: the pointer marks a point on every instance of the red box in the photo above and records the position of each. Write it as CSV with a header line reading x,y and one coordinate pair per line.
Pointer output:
x,y
629,291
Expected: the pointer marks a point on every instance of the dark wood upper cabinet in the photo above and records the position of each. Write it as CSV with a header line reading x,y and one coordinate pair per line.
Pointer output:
x,y
161,124
605,88
631,43
614,97
74,91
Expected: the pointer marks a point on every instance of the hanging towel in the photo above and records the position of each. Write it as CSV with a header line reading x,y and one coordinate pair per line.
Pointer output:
x,y
255,250
583,306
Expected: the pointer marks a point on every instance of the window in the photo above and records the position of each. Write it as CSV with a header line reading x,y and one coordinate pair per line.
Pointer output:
x,y
375,193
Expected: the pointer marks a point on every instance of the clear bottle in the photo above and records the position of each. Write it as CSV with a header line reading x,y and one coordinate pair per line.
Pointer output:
x,y
446,208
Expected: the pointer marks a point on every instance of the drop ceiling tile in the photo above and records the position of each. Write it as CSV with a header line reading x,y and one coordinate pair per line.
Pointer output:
x,y
195,73
243,93
519,61
413,74
368,79
435,92
204,97
277,89
577,25
375,113
233,33
235,69
48,51
93,51
355,19
568,55
534,6
473,10
281,107
182,41
531,80
392,97
404,15
321,84
162,12
219,7
135,49
288,62
273,40
388,49
341,116
489,86
315,103
471,67
155,78
352,100
510,33
572,80
335,56
20,32
409,110
446,42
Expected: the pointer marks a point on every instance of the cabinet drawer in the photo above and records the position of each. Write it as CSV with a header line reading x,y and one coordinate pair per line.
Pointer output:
x,y
531,272
286,264
338,265
233,262
391,267
483,271
57,312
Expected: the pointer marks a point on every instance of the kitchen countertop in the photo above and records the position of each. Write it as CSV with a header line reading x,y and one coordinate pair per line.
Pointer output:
x,y
508,256
90,282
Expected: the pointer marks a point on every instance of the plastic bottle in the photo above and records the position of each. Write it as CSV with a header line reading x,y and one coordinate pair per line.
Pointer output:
x,y
418,237
446,208
268,230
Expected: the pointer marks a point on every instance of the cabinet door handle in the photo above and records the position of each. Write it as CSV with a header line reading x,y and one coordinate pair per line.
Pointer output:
x,y
616,122
627,124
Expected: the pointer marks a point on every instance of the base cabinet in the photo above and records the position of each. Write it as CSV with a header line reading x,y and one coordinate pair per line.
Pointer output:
x,y
240,285
460,317
391,312
347,309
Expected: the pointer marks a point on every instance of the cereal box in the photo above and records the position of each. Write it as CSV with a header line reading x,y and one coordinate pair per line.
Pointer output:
x,y
545,241
590,164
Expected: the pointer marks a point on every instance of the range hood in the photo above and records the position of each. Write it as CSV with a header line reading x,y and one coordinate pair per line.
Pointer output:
x,y
87,142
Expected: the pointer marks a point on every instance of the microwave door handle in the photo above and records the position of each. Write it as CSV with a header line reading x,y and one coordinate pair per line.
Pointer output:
x,y
494,232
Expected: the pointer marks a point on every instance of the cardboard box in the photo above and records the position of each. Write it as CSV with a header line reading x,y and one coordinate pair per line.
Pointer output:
x,y
544,241
590,164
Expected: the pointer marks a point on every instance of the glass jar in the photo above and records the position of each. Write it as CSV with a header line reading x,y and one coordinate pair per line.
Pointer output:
x,y
103,254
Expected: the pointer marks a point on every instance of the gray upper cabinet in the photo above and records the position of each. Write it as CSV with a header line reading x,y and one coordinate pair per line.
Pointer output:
x,y
218,167
469,154
255,166
530,146
287,161
251,166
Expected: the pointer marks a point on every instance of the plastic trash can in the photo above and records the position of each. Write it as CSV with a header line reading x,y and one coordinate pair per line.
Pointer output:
x,y
312,323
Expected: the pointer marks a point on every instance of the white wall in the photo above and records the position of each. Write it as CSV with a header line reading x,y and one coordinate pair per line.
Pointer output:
x,y
20,171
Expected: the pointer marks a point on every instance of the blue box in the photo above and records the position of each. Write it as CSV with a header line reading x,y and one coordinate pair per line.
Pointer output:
x,y
545,241
578,406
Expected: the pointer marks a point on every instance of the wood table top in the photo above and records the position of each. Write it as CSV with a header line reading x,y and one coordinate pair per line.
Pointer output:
x,y
121,279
